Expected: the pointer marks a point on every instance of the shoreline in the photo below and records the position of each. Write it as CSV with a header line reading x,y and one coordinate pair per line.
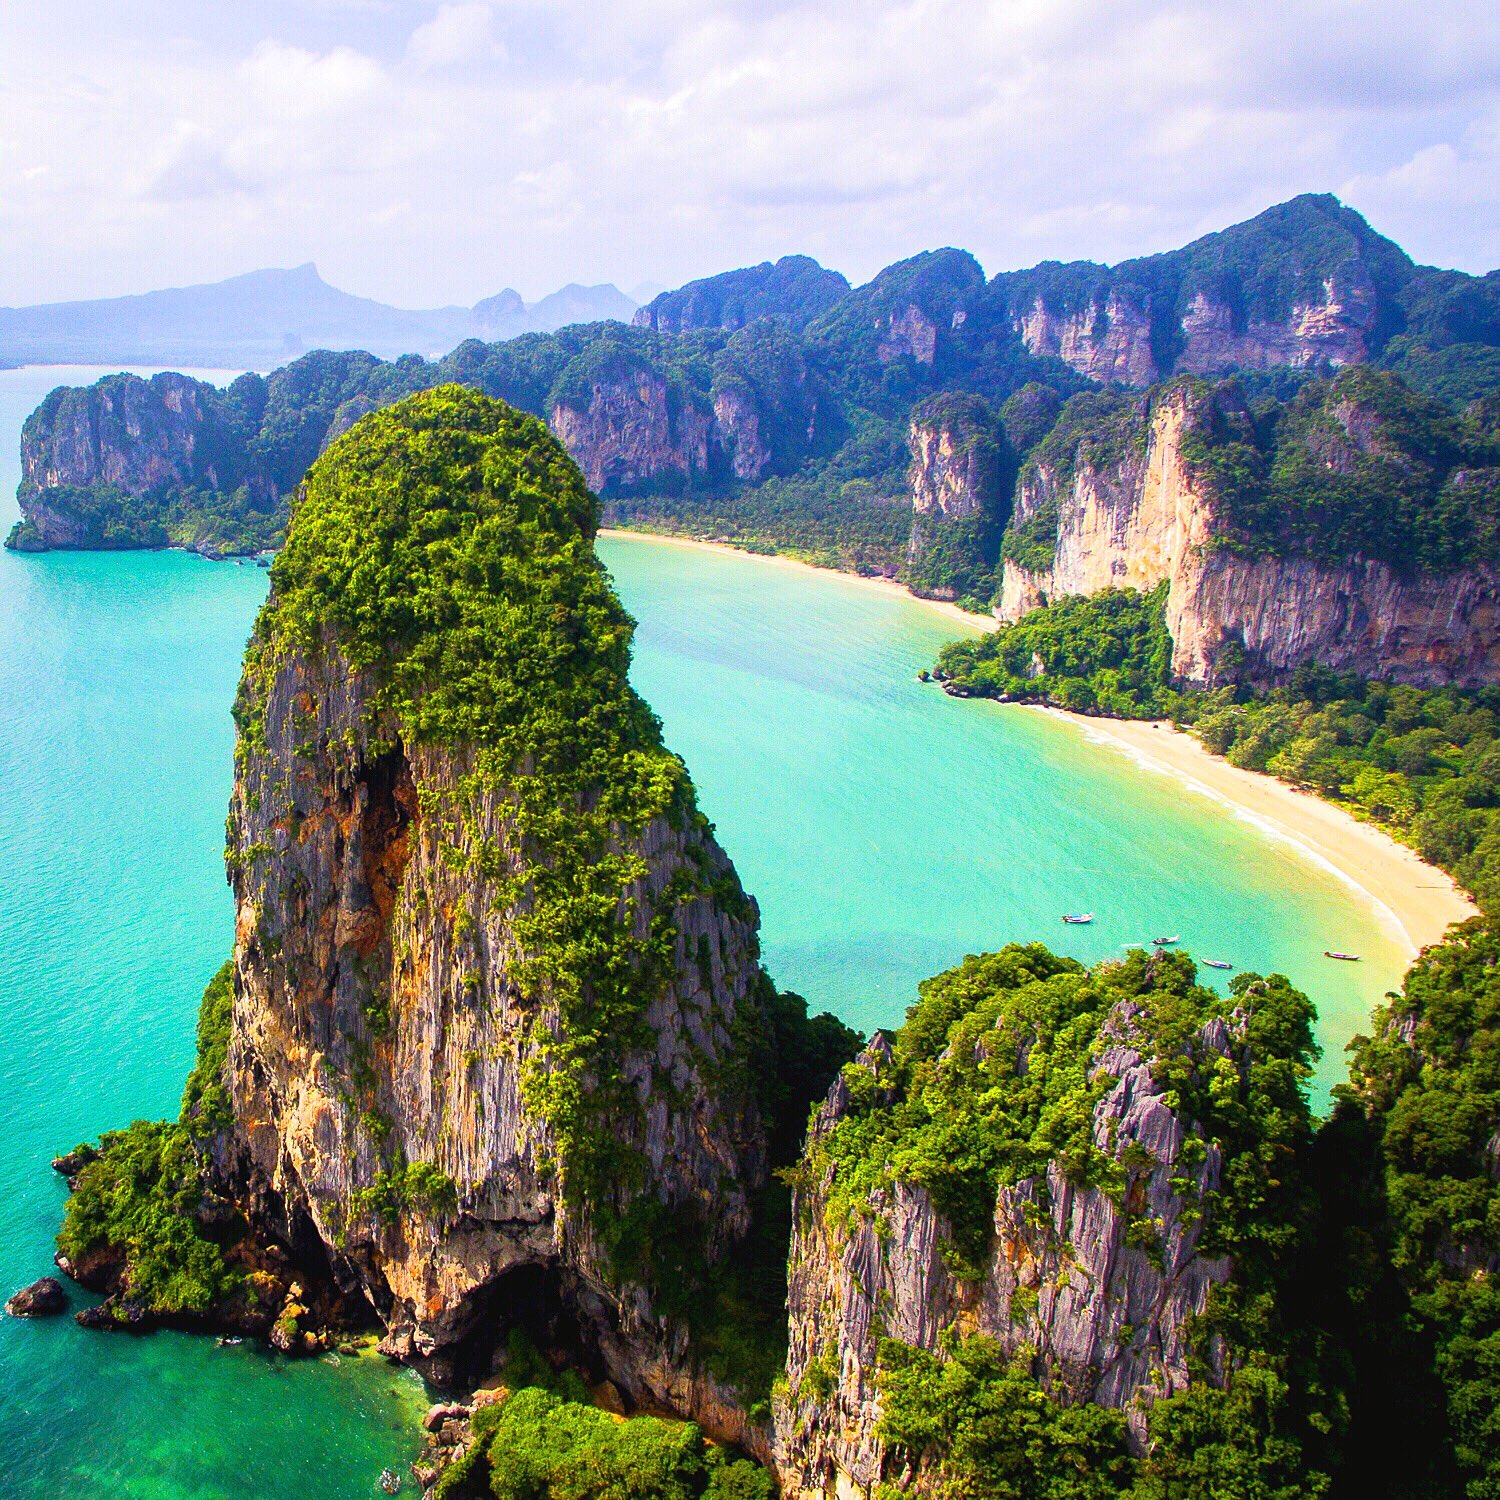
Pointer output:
x,y
1418,901
887,586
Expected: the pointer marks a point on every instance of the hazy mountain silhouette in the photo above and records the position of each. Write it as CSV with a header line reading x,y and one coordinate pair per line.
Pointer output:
x,y
264,318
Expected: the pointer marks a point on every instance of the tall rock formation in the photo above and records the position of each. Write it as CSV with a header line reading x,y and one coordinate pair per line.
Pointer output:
x,y
1108,339
494,980
1130,501
958,479
949,1191
129,462
626,427
142,435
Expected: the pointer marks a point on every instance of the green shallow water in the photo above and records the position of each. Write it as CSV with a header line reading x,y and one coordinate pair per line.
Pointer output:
x,y
885,829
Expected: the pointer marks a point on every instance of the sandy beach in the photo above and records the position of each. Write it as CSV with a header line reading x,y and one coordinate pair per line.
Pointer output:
x,y
1419,901
884,585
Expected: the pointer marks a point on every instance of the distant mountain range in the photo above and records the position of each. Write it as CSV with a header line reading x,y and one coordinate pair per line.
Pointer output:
x,y
888,427
265,318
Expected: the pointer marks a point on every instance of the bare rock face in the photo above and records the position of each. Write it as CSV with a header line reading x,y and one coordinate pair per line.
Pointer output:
x,y
143,436
1329,332
395,1045
1109,342
909,330
1107,1321
1110,339
949,477
1146,519
629,432
957,477
737,427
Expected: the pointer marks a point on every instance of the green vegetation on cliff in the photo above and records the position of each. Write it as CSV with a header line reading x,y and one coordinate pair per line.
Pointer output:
x,y
995,1078
445,547
136,1205
981,1425
964,1119
1427,1085
536,1445
1360,466
205,1098
1094,430
107,518
1361,1321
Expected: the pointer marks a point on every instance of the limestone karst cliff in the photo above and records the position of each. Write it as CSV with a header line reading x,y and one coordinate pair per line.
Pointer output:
x,y
1043,1161
1304,285
959,476
497,1003
772,404
1345,542
130,462
1111,338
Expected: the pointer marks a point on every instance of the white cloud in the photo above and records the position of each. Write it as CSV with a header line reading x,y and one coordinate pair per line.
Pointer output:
x,y
1446,196
293,83
429,154
456,34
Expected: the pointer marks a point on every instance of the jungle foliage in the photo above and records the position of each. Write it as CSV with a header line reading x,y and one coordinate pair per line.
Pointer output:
x,y
138,1199
994,1080
537,1445
1399,1285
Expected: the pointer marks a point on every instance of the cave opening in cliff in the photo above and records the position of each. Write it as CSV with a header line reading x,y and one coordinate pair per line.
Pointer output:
x,y
534,1302
389,818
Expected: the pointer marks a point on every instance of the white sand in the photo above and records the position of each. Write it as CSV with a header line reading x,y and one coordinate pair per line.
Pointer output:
x,y
1419,901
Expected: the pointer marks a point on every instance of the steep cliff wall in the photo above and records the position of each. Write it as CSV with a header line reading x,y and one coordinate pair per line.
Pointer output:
x,y
1306,284
131,462
1109,342
1145,512
1088,1251
139,434
958,476
1114,340
627,429
494,980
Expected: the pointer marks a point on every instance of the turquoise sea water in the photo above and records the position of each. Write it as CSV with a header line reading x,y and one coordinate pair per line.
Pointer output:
x,y
885,829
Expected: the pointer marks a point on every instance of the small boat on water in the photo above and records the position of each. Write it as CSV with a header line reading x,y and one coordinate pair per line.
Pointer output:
x,y
1079,919
1348,958
1163,942
1217,963
227,1343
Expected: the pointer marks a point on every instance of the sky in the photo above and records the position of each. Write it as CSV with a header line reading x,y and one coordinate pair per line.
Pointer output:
x,y
432,153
